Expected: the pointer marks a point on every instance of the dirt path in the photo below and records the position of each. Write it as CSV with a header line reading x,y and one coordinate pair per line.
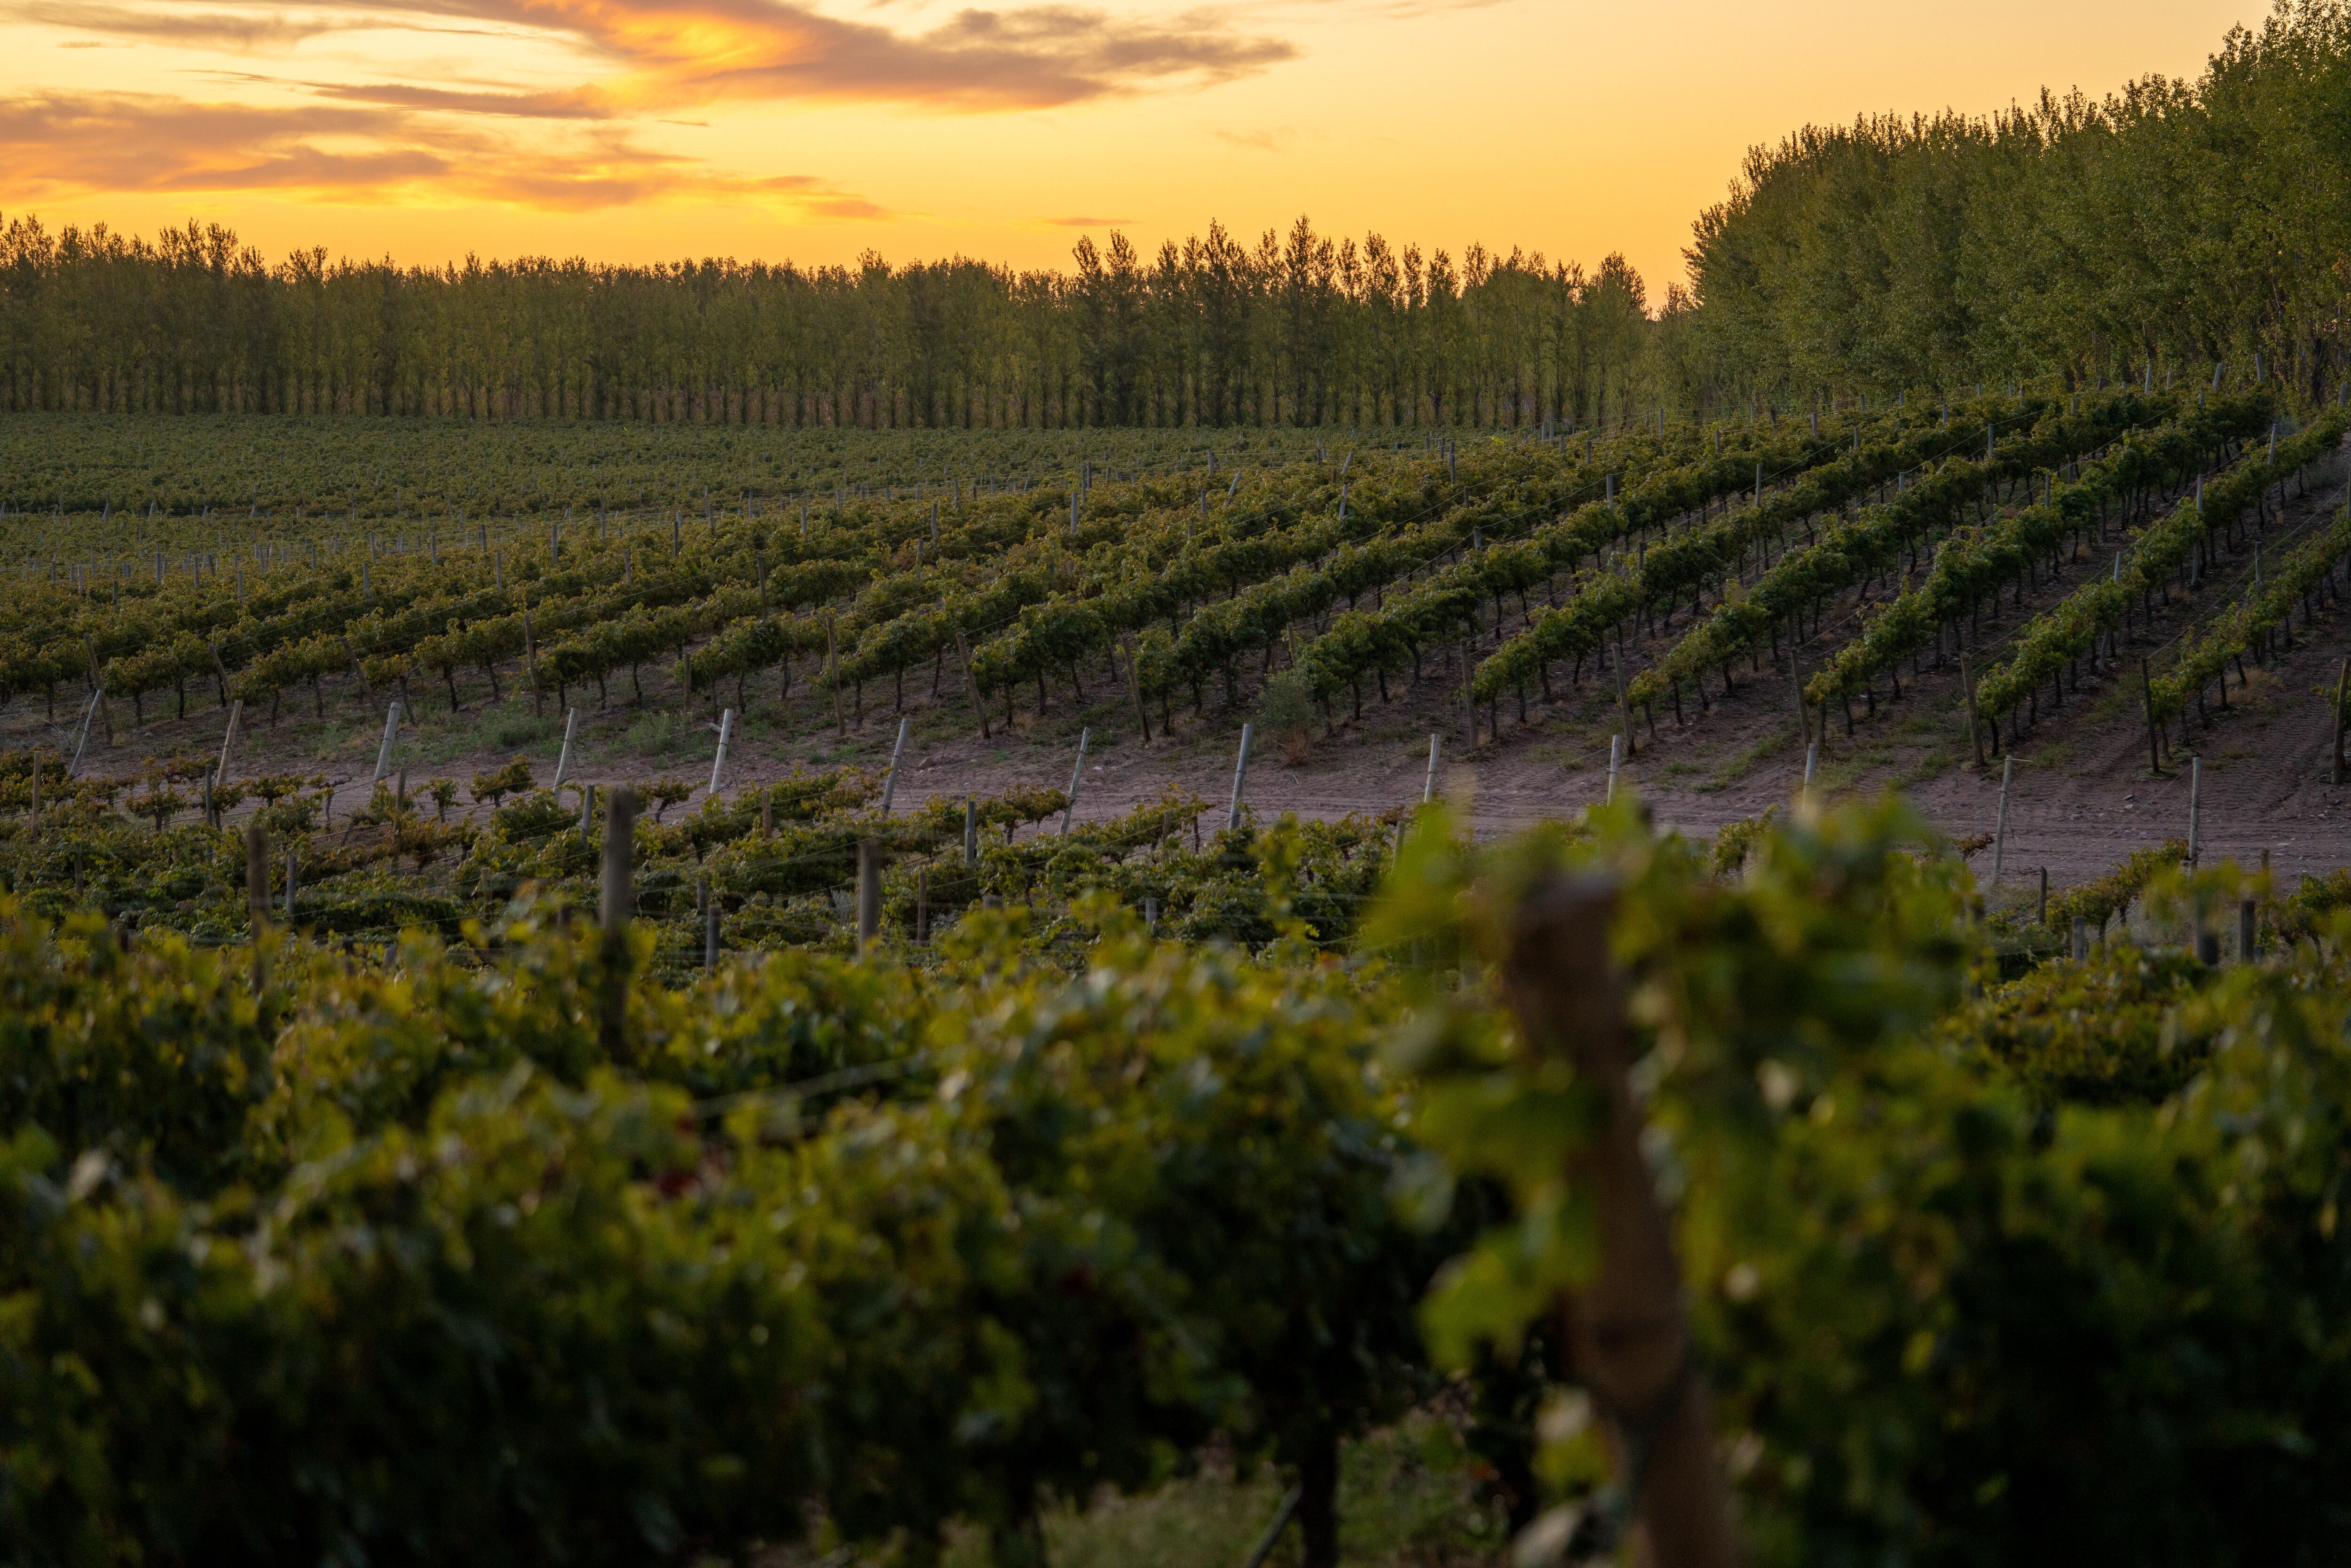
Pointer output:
x,y
2082,797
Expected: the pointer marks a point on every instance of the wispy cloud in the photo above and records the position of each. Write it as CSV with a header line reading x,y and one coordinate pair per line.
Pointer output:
x,y
1251,140
422,135
667,54
1084,222
67,144
255,27
517,104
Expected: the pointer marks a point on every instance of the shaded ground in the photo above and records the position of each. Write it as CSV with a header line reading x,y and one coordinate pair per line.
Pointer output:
x,y
2083,796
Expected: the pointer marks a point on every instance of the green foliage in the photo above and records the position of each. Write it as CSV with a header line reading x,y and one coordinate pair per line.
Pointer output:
x,y
2032,1285
2068,630
2091,238
1104,1218
664,793
2106,897
496,784
2106,1032
510,1240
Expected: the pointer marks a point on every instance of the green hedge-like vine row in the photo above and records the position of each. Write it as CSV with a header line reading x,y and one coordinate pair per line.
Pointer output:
x,y
2071,628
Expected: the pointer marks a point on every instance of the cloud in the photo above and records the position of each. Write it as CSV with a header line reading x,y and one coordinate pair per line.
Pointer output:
x,y
1084,222
520,105
668,54
1251,141
1396,10
445,140
234,30
58,144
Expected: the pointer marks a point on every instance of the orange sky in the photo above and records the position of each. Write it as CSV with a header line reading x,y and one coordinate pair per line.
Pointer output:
x,y
814,130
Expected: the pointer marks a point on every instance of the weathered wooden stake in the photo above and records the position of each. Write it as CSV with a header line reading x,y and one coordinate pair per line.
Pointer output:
x,y
2195,810
228,739
718,762
563,757
1240,779
1077,777
889,779
1626,1327
1999,828
383,751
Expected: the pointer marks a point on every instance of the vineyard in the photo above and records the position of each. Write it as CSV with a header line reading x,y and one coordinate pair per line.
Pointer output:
x,y
1285,903
512,1032
1114,1152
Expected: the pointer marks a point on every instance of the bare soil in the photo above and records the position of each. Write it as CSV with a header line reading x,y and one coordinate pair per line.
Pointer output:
x,y
2083,796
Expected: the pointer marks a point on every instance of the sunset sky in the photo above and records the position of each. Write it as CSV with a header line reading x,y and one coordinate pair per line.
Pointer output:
x,y
814,130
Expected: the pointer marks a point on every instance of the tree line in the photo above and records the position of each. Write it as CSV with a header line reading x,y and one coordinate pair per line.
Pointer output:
x,y
1297,329
2166,228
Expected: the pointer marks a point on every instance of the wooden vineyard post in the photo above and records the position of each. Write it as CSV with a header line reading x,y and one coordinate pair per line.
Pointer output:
x,y
383,750
2000,827
1626,1330
228,739
2342,690
2195,810
563,757
1240,782
889,779
1077,777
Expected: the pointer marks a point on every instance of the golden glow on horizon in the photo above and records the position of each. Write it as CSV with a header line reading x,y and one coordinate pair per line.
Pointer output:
x,y
815,129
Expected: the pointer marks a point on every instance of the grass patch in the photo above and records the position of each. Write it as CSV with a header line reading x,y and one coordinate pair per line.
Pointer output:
x,y
1742,762
1407,1499
502,730
666,736
1931,763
